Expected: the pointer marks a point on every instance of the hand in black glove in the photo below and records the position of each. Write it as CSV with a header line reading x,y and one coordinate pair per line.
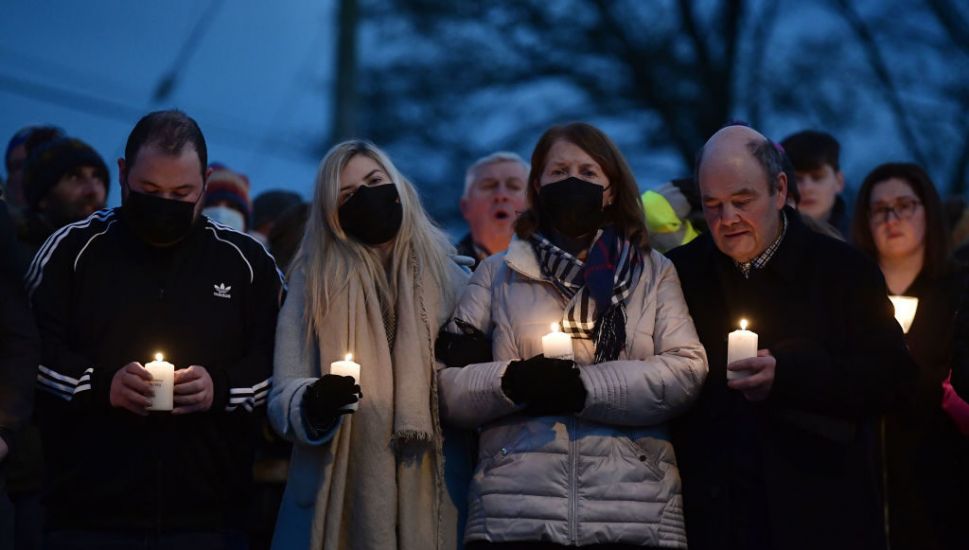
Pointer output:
x,y
325,400
458,350
546,386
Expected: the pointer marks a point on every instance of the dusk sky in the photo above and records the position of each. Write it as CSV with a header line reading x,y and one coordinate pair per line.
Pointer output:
x,y
256,80
257,76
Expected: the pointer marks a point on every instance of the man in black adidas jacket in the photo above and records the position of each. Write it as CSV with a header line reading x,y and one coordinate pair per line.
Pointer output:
x,y
108,293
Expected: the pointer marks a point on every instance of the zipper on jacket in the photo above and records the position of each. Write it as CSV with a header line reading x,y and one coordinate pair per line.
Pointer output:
x,y
573,483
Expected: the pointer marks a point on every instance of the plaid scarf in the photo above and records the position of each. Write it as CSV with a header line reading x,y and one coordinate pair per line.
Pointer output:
x,y
596,289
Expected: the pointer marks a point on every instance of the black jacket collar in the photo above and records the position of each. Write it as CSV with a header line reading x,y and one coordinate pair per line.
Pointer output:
x,y
790,257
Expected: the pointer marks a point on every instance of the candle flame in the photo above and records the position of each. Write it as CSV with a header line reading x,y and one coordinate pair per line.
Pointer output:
x,y
555,327
349,357
159,356
743,324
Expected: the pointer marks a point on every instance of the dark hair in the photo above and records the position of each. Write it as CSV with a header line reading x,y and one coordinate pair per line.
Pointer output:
x,y
793,192
936,234
169,131
811,149
954,208
771,159
287,233
626,211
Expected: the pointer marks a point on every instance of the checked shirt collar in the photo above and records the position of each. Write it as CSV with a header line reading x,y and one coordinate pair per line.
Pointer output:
x,y
761,260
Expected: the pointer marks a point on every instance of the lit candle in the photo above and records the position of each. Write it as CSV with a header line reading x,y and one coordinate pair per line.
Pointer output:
x,y
347,368
905,308
557,344
741,344
162,382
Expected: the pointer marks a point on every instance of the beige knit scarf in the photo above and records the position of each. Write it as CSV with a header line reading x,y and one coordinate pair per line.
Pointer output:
x,y
383,482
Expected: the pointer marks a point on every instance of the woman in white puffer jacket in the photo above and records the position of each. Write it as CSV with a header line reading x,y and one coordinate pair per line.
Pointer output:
x,y
575,453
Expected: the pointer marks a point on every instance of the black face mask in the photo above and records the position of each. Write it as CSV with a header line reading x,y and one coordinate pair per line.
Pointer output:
x,y
158,221
572,206
373,214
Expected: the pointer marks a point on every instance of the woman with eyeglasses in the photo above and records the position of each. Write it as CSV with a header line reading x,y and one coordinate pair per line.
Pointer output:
x,y
900,223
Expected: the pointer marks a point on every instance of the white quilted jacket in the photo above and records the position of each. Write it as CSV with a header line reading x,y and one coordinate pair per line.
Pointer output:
x,y
606,474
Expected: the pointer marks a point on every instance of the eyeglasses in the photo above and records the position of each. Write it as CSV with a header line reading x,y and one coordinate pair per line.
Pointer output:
x,y
903,208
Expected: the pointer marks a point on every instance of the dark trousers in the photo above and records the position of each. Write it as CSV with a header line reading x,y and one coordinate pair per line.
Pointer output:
x,y
6,519
29,523
110,540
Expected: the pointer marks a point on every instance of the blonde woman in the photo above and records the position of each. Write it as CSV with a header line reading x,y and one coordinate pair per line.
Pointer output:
x,y
375,278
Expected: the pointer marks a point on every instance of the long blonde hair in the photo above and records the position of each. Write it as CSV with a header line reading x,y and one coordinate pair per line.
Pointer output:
x,y
329,257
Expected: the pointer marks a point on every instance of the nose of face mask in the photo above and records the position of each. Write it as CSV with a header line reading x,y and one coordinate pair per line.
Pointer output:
x,y
226,216
573,206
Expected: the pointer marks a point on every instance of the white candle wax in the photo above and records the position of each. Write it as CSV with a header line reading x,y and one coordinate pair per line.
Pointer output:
x,y
905,308
557,345
162,382
347,368
741,344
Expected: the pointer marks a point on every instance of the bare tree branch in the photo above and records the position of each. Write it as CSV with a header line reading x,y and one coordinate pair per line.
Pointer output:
x,y
951,19
760,37
880,67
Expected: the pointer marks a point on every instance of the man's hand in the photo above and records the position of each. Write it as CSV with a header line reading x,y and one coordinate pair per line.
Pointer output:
x,y
3,449
756,386
131,388
193,390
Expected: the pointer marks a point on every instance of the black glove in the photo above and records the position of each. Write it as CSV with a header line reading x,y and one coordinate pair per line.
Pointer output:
x,y
325,399
458,350
546,386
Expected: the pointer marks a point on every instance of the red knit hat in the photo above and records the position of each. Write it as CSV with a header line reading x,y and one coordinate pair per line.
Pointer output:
x,y
229,186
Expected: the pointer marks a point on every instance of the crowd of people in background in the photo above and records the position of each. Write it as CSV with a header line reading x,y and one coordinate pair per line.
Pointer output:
x,y
342,376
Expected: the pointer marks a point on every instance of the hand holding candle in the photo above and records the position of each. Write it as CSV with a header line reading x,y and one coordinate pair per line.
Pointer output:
x,y
741,344
162,383
194,390
131,388
757,375
557,345
347,368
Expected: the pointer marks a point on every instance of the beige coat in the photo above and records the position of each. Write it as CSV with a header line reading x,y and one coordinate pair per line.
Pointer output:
x,y
606,474
379,480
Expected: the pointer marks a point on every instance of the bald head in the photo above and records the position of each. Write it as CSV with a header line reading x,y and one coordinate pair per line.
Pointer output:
x,y
736,146
731,140
743,187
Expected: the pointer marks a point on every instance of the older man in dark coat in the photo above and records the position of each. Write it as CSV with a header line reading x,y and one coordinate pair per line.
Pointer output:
x,y
781,455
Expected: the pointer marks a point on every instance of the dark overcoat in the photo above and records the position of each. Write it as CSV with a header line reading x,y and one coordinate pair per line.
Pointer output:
x,y
797,470
925,458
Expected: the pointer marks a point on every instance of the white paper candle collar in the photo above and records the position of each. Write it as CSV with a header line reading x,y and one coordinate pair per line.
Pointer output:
x,y
905,308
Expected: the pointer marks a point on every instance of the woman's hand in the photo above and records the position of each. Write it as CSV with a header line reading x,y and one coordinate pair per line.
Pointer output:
x,y
327,398
458,350
546,386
